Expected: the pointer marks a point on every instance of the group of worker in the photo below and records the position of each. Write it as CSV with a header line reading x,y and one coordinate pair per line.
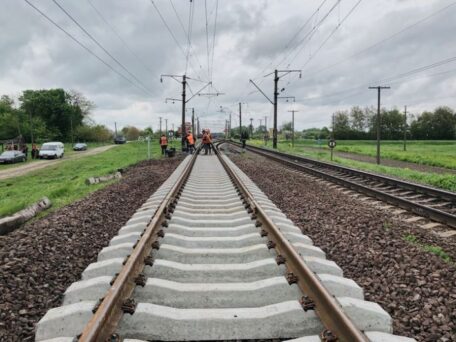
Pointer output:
x,y
190,141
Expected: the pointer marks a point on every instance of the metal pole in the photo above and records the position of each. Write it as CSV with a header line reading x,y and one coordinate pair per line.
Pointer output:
x,y
148,147
184,83
266,123
379,89
332,134
251,126
229,129
160,125
405,128
193,122
378,128
292,128
276,93
240,120
166,127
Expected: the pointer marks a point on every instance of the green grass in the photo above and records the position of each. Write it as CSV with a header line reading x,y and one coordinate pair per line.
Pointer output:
x,y
443,181
432,153
436,250
68,152
64,183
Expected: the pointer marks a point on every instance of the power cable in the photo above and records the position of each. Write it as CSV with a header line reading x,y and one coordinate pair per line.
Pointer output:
x,y
383,40
189,34
171,32
213,38
84,47
181,24
332,33
119,37
207,40
100,46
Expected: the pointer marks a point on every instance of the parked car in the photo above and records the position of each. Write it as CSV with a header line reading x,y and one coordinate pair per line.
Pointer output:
x,y
51,150
120,140
12,157
80,147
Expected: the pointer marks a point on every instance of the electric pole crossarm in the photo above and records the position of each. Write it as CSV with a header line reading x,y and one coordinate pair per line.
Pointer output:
x,y
171,99
199,91
174,77
210,94
261,91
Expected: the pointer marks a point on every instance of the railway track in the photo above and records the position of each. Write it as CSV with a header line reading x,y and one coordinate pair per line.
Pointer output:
x,y
434,204
210,257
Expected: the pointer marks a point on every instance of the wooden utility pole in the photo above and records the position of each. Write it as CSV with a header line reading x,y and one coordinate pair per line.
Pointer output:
x,y
292,126
405,128
379,90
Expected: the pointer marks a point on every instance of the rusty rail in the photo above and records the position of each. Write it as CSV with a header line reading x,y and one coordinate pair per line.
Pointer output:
x,y
326,306
104,322
419,209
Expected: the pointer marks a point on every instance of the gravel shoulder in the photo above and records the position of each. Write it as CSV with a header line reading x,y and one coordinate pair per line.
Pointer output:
x,y
42,258
417,288
21,170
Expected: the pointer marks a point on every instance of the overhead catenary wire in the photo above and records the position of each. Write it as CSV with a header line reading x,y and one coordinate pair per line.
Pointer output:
x,y
189,33
100,45
332,33
181,24
127,46
171,32
85,47
213,39
384,40
290,41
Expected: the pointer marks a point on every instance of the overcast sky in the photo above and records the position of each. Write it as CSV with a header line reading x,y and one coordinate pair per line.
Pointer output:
x,y
329,40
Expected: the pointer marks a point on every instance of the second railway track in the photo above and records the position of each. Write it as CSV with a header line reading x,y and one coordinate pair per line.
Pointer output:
x,y
434,204
210,257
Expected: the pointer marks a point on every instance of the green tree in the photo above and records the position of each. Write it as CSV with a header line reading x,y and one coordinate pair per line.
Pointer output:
x,y
60,111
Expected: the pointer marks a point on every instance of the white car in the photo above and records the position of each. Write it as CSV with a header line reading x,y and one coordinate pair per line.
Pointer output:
x,y
51,150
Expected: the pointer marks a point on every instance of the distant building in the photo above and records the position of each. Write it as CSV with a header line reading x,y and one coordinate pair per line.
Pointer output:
x,y
188,128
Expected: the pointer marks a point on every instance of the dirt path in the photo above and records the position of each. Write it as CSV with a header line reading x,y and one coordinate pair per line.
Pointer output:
x,y
388,162
41,164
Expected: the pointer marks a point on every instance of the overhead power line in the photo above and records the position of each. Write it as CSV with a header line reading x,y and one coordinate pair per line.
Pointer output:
x,y
83,46
119,36
100,46
213,39
384,40
171,33
332,33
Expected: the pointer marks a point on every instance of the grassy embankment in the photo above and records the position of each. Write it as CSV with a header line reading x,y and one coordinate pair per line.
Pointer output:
x,y
68,153
443,181
64,183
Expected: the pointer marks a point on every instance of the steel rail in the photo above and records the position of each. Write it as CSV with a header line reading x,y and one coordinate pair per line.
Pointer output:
x,y
104,322
420,209
326,306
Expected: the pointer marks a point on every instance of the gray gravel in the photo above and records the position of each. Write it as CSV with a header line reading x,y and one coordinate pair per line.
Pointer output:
x,y
417,288
41,259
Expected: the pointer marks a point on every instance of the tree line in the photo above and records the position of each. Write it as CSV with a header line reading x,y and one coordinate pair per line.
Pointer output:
x,y
361,123
50,114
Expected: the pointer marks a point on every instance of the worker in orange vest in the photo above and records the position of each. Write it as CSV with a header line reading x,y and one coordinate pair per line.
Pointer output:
x,y
206,141
163,143
190,142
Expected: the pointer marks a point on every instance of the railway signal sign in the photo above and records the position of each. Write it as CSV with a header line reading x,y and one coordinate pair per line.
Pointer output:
x,y
331,143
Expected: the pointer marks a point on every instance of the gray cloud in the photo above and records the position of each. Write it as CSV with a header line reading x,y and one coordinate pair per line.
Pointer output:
x,y
250,35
